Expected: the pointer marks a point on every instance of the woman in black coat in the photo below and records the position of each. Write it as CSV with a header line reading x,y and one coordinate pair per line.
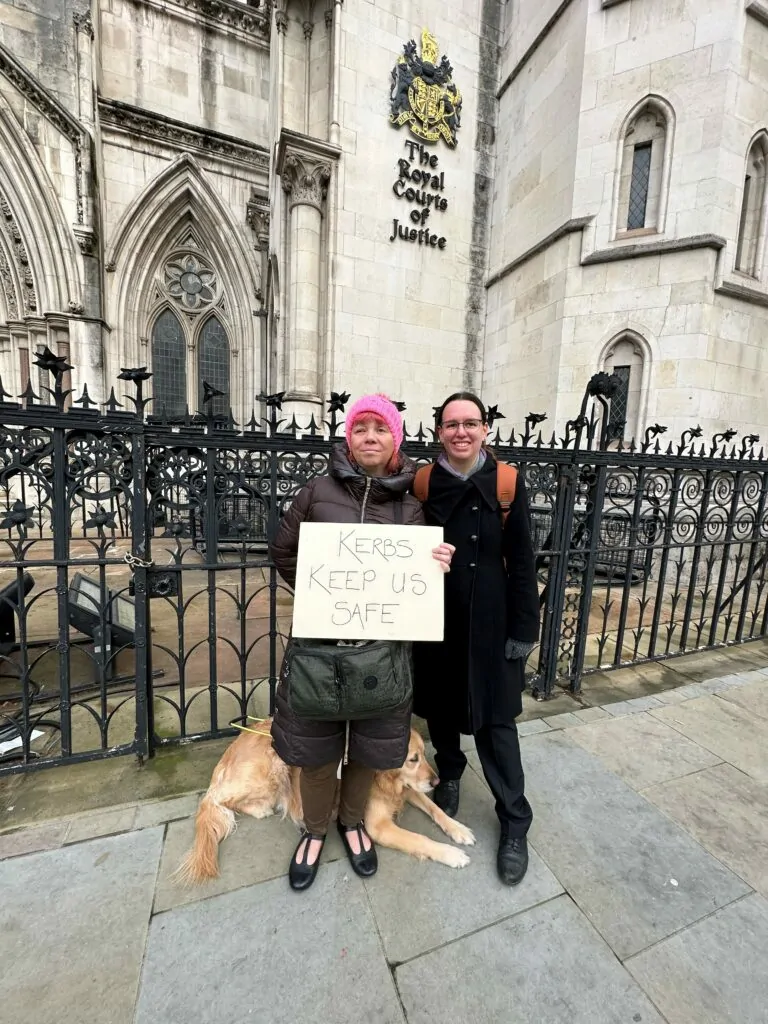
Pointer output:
x,y
473,681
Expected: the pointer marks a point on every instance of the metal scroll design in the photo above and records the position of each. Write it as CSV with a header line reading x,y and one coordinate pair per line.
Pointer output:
x,y
139,606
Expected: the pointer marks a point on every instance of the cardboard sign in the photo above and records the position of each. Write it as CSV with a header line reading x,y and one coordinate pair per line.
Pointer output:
x,y
365,582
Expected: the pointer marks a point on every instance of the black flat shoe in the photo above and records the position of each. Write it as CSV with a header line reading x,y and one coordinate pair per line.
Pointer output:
x,y
446,796
512,859
300,874
366,862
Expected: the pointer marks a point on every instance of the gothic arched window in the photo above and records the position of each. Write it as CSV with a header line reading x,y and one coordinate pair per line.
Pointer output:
x,y
169,367
750,240
624,359
213,364
644,161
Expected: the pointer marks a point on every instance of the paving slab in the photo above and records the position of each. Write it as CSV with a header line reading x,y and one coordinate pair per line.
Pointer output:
x,y
713,971
544,966
73,923
637,875
642,750
272,956
727,812
256,851
632,707
159,811
30,840
532,727
103,823
730,731
564,721
421,905
752,696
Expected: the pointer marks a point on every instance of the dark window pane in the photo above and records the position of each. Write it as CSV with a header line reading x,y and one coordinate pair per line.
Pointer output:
x,y
741,258
169,367
213,365
618,417
638,190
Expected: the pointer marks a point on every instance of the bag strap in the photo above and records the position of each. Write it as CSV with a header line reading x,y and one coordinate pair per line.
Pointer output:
x,y
398,510
421,482
506,485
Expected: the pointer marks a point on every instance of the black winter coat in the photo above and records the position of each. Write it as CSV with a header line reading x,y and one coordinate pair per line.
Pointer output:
x,y
380,743
490,594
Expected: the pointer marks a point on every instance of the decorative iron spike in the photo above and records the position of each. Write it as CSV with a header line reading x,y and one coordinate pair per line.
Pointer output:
x,y
29,396
400,406
85,400
5,394
338,400
135,374
492,415
112,403
210,392
252,422
420,436
48,360
313,429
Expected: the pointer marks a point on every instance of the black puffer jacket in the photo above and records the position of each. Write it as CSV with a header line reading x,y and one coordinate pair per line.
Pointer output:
x,y
344,496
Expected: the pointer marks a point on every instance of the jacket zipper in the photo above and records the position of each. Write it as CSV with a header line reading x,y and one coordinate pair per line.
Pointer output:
x,y
365,499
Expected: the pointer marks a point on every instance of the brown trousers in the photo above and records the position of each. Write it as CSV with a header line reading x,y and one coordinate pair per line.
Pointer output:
x,y
318,790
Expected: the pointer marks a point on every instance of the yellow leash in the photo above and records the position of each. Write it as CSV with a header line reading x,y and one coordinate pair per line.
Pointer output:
x,y
245,728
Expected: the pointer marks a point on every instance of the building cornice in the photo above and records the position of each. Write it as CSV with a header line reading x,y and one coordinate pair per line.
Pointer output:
x,y
641,249
134,121
743,292
253,20
568,228
758,9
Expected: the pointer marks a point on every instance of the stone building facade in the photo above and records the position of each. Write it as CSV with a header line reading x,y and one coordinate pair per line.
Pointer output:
x,y
289,197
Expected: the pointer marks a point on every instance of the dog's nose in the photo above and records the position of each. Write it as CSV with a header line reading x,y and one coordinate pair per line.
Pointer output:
x,y
434,782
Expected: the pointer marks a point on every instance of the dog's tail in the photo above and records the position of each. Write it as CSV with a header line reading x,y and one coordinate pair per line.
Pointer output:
x,y
213,823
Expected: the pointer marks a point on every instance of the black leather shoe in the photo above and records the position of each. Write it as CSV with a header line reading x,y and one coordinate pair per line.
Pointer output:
x,y
366,862
300,874
446,796
512,858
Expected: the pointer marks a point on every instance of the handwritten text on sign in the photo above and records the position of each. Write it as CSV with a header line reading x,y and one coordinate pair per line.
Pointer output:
x,y
361,582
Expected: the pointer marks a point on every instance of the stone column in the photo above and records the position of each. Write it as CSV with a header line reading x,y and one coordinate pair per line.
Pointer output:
x,y
305,180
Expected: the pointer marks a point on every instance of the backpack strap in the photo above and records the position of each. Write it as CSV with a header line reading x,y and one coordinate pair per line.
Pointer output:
x,y
506,485
398,510
421,482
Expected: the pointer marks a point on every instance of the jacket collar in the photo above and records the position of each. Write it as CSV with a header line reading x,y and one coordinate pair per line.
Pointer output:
x,y
446,491
383,488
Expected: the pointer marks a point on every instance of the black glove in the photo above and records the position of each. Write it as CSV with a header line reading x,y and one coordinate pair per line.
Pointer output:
x,y
514,649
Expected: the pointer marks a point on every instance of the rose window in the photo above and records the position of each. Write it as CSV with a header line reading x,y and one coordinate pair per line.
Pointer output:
x,y
190,281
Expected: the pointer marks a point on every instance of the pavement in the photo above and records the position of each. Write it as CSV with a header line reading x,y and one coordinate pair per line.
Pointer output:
x,y
646,899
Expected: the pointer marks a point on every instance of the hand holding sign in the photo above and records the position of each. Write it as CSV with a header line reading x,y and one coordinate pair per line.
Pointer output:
x,y
368,582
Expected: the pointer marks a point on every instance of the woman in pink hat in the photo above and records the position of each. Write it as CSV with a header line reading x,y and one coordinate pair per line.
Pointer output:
x,y
368,482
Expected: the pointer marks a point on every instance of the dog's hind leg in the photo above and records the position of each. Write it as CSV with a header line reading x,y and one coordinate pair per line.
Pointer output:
x,y
453,829
387,833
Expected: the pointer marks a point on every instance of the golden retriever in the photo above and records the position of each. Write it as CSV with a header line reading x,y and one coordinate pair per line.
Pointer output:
x,y
252,779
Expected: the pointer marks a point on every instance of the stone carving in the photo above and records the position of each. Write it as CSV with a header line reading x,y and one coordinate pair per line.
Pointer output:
x,y
305,180
423,94
8,289
84,23
190,281
86,241
329,18
48,105
249,19
20,258
76,308
307,26
281,22
141,122
257,215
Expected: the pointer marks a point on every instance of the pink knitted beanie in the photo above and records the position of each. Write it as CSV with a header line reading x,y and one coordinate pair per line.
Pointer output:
x,y
376,405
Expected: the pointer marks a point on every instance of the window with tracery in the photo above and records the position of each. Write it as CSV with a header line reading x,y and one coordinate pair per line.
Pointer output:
x,y
752,218
642,171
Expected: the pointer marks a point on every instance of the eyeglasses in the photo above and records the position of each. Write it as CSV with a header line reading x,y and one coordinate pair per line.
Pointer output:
x,y
469,425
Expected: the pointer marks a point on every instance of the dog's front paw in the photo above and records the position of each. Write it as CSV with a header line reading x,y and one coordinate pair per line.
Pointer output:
x,y
461,834
454,858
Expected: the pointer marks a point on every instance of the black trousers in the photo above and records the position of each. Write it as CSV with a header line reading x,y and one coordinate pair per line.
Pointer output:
x,y
498,748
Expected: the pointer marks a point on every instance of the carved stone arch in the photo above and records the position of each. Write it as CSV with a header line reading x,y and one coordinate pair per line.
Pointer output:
x,y
32,211
634,349
179,200
659,142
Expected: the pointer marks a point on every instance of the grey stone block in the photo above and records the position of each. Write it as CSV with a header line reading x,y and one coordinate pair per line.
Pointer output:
x,y
632,707
257,851
751,696
713,971
636,875
735,734
160,811
727,812
31,840
642,750
564,721
532,727
272,956
545,966
421,905
588,715
74,923
103,823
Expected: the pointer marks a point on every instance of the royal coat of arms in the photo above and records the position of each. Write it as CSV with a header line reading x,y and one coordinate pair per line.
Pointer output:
x,y
423,93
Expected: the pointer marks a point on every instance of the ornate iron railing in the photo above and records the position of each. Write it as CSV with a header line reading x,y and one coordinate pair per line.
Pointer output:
x,y
139,607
